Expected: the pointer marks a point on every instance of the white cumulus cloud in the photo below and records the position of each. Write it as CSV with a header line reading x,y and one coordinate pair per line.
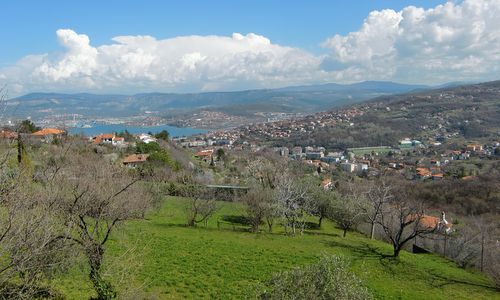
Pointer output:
x,y
453,41
144,63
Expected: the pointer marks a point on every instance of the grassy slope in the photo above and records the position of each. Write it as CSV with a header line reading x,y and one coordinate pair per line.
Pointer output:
x,y
160,258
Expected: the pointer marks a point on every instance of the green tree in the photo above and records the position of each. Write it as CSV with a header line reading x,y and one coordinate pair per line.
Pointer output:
x,y
126,135
163,157
162,135
142,147
220,154
27,126
328,279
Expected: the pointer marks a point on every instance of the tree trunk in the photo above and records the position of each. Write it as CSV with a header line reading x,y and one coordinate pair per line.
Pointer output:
x,y
397,249
320,220
269,224
482,251
345,232
445,244
190,222
372,230
103,288
20,149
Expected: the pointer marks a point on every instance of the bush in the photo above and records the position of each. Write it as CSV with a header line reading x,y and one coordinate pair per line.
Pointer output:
x,y
162,135
328,279
142,147
163,157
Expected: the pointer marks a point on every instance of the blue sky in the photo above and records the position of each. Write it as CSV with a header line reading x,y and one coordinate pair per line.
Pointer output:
x,y
28,33
28,27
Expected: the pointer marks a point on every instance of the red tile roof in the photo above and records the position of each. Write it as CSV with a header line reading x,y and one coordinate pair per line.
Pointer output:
x,y
49,131
135,158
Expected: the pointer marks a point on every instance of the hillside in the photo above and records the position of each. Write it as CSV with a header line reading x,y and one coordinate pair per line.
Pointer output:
x,y
160,258
470,112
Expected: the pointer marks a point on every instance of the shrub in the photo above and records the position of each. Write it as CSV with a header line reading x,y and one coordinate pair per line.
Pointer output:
x,y
328,279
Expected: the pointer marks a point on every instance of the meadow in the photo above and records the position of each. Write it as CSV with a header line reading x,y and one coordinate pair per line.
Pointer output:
x,y
161,258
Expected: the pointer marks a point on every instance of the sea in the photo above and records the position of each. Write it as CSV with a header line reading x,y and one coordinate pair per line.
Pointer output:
x,y
110,128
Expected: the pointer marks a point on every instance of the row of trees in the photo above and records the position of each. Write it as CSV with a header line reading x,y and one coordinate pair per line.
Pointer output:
x,y
387,208
277,194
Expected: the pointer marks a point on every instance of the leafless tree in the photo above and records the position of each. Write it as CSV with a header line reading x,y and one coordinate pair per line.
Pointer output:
x,y
484,229
200,205
401,218
95,197
27,226
29,229
292,203
266,170
34,252
463,247
377,196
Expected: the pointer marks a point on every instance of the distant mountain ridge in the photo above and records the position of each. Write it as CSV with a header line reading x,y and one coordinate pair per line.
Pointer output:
x,y
381,86
303,99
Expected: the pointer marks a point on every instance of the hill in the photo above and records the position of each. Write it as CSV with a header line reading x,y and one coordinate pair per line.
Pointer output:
x,y
160,258
469,112
304,99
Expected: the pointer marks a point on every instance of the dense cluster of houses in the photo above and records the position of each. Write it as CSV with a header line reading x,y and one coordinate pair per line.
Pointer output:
x,y
410,158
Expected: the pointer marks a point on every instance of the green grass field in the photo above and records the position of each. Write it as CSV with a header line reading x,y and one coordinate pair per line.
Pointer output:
x,y
159,258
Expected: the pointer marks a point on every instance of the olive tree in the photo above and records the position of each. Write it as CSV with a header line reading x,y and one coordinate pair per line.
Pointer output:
x,y
259,207
330,278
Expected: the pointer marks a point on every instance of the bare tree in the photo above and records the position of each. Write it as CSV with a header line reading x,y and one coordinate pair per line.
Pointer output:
x,y
378,195
463,247
484,229
29,228
34,251
401,219
96,197
292,203
200,205
266,170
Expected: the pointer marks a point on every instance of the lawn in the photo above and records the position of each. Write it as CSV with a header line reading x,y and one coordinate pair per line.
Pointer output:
x,y
160,258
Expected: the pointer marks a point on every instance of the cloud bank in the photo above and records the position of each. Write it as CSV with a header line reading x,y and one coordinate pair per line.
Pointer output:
x,y
449,42
454,41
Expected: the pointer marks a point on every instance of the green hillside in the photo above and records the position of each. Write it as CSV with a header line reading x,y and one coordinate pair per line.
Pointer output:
x,y
160,258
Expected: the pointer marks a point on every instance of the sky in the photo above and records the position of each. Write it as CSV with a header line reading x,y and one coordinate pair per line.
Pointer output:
x,y
192,46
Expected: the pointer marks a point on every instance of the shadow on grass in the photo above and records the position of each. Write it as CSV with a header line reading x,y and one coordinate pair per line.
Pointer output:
x,y
321,233
439,281
366,250
237,220
312,226
389,263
